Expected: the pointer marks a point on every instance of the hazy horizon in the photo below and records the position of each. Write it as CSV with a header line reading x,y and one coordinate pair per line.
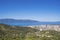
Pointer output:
x,y
28,19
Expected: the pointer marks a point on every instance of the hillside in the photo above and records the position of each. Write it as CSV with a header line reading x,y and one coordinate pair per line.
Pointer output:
x,y
16,28
8,32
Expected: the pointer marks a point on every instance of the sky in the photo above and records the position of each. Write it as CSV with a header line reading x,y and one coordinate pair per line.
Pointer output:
x,y
40,10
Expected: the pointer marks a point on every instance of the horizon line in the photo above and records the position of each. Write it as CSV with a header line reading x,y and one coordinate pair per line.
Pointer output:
x,y
29,19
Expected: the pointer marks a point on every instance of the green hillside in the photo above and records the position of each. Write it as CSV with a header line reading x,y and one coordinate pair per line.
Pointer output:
x,y
13,32
8,32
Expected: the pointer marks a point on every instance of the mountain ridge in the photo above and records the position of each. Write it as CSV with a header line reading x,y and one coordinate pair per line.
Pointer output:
x,y
22,22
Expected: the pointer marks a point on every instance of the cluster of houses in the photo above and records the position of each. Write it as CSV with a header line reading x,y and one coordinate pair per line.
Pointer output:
x,y
46,27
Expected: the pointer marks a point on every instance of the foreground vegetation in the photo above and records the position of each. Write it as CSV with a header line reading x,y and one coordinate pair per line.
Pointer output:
x,y
26,33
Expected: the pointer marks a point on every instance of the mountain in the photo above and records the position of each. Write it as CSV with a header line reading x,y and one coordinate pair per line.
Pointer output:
x,y
24,22
19,22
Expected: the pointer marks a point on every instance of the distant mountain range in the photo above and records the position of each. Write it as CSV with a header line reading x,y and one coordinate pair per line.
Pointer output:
x,y
24,22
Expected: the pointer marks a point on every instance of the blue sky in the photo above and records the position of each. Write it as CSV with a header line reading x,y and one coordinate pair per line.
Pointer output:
x,y
40,10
